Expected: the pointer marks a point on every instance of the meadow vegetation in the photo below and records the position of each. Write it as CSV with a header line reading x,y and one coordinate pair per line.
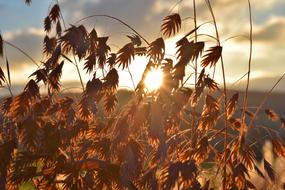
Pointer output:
x,y
175,137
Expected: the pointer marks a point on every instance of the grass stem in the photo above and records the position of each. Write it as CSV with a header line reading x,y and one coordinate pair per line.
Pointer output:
x,y
249,63
225,94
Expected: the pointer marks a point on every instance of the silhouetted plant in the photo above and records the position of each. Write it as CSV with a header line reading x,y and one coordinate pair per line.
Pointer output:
x,y
159,140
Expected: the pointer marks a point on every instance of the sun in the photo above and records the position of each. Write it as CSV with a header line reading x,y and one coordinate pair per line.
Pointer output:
x,y
153,79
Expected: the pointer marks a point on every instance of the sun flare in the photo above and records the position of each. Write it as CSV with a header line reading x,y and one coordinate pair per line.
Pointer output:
x,y
153,80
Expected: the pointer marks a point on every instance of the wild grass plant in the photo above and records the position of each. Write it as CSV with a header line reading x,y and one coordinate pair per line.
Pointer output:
x,y
176,137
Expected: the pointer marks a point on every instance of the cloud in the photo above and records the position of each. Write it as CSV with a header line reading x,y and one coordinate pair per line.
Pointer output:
x,y
232,17
29,40
21,67
272,32
144,16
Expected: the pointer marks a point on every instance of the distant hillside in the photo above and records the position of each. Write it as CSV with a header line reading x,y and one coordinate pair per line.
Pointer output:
x,y
275,101
262,84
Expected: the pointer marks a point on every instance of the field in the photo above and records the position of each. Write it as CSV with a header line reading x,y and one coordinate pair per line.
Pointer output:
x,y
178,128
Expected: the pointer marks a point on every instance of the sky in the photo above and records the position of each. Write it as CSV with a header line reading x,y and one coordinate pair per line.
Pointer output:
x,y
22,25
